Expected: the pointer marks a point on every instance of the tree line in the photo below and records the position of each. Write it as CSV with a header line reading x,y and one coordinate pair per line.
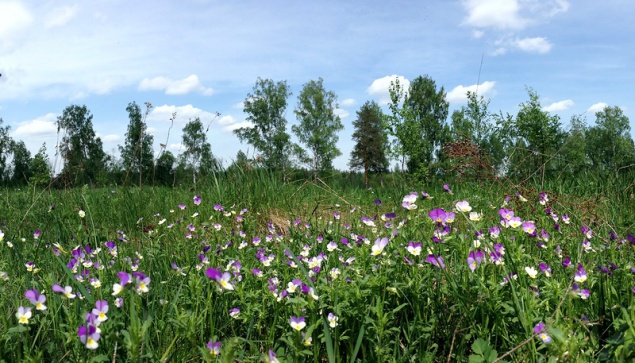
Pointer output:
x,y
416,132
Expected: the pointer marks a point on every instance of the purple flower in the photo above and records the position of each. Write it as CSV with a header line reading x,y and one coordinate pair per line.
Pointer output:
x,y
378,247
221,278
540,331
438,215
529,228
89,336
580,274
566,262
297,323
36,299
447,189
197,199
214,347
66,291
545,268
100,310
436,261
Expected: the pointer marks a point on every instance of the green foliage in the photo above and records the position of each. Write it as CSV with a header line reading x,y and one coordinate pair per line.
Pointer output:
x,y
609,143
197,160
137,154
21,172
418,124
266,108
40,168
5,146
371,141
83,154
318,125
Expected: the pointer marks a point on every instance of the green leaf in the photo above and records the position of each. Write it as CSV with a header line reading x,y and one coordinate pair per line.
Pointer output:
x,y
476,359
480,346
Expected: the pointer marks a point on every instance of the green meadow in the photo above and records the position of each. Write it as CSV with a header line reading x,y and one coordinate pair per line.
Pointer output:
x,y
247,267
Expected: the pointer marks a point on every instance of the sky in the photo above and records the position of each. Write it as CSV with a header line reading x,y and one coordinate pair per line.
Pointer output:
x,y
197,58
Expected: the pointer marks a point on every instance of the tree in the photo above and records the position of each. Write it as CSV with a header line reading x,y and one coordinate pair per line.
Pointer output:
x,y
40,168
165,168
137,151
369,152
318,125
197,158
609,143
21,164
265,108
82,152
541,134
419,123
573,154
5,150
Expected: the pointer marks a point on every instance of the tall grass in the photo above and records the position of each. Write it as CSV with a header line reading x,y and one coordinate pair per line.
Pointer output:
x,y
393,306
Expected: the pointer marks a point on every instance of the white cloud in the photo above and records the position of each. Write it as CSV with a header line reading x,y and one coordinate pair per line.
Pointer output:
x,y
342,113
14,17
459,93
227,120
177,147
43,126
379,88
349,102
239,105
597,107
559,106
60,16
175,87
533,45
111,138
477,34
238,125
183,114
498,14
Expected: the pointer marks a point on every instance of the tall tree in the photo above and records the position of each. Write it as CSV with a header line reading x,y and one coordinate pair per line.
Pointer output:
x,y
573,157
318,125
541,135
5,150
165,168
82,152
265,108
609,143
137,151
419,123
369,152
21,164
40,168
197,158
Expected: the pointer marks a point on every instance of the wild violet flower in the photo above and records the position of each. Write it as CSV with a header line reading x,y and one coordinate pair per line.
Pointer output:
x,y
475,216
515,222
297,323
124,279
367,221
271,357
580,274
197,199
463,206
36,299
584,294
435,260
23,314
438,215
543,199
214,347
332,319
81,214
541,332
36,234
545,268
446,187
234,313
142,282
66,291
409,201
520,197
474,259
221,278
529,227
532,272
378,247
588,233
89,336
494,232
414,248
100,310
565,219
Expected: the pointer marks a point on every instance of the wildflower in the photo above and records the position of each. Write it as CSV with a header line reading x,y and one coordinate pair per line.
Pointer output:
x,y
447,189
474,259
94,282
178,269
543,199
463,206
292,286
520,197
449,217
540,331
119,302
36,299
271,357
234,313
4,276
124,279
306,340
475,216
586,246
584,294
378,247
297,323
66,291
409,201
506,214
515,222
532,272
529,227
565,219
335,272
221,278
494,232
368,222
36,234
30,266
580,274
544,235
214,347
197,199
566,262
23,315
142,282
436,261
89,336
546,269
1,235
81,214
332,318
100,310
438,215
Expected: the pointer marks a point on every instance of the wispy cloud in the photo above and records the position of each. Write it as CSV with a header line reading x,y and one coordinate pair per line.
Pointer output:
x,y
597,107
559,106
459,93
43,126
175,87
60,16
183,114
379,89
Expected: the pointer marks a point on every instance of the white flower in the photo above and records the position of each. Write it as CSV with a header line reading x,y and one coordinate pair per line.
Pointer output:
x,y
81,213
532,272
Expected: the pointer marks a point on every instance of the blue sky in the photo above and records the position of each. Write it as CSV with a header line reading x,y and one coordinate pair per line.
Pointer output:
x,y
198,57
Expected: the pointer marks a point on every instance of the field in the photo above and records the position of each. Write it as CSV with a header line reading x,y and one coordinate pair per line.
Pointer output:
x,y
248,268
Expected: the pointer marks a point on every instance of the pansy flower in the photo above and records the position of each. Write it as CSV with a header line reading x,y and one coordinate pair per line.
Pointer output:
x,y
36,299
541,332
221,278
378,247
214,347
414,248
463,206
298,323
23,314
409,201
89,336
580,274
66,291
332,319
100,310
124,279
438,215
435,261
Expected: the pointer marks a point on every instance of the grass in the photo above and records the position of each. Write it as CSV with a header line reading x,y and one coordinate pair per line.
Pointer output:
x,y
361,301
